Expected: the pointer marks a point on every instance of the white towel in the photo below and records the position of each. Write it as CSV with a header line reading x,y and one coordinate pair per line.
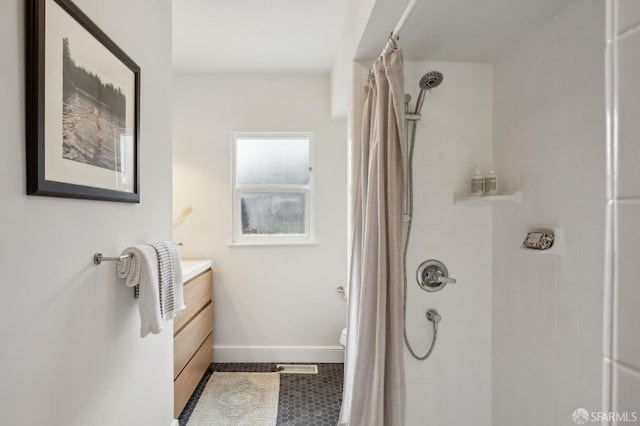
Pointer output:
x,y
160,281
170,277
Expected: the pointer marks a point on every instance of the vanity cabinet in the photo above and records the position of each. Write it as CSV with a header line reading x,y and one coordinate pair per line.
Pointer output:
x,y
193,338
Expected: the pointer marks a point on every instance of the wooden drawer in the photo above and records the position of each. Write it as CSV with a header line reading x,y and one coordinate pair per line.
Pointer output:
x,y
189,339
197,293
187,381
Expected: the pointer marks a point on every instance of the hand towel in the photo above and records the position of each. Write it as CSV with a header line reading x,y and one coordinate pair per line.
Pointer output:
x,y
157,270
141,268
170,277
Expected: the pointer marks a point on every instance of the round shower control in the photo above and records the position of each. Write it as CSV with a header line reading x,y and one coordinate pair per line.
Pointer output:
x,y
433,275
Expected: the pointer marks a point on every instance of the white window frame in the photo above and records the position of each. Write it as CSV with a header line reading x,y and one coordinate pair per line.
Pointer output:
x,y
238,238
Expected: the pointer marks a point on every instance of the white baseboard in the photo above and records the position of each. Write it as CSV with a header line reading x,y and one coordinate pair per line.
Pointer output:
x,y
175,422
228,353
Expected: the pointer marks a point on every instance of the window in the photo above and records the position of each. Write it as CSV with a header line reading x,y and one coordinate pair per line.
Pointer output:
x,y
271,188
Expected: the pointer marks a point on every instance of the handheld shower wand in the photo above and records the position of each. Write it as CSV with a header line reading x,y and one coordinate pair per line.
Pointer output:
x,y
427,82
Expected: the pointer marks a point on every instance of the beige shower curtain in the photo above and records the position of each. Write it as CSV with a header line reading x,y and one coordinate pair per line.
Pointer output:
x,y
374,388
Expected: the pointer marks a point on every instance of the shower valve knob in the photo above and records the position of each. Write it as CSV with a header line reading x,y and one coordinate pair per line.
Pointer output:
x,y
436,277
432,275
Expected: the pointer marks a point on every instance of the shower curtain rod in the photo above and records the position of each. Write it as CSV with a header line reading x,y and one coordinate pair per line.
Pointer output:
x,y
395,34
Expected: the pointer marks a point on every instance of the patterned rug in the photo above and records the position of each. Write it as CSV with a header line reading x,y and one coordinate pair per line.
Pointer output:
x,y
238,399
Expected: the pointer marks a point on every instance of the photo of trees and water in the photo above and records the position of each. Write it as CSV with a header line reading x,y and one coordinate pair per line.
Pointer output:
x,y
93,116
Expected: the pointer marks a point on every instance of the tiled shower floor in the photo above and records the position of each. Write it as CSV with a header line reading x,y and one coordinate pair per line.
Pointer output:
x,y
305,399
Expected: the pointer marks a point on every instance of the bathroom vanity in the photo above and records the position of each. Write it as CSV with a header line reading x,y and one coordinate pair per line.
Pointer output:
x,y
193,332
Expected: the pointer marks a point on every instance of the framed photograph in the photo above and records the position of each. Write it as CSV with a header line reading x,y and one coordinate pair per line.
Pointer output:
x,y
83,108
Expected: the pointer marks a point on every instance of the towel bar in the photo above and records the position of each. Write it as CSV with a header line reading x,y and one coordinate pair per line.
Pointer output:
x,y
98,258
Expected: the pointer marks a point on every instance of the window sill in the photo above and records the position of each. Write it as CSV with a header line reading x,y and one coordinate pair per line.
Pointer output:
x,y
271,243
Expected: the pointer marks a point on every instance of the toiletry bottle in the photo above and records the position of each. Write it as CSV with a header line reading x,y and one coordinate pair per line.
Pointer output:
x,y
477,183
491,182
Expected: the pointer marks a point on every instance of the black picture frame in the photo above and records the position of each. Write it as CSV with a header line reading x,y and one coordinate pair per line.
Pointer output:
x,y
89,166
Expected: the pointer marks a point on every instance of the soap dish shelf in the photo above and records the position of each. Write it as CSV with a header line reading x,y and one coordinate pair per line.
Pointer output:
x,y
556,248
488,200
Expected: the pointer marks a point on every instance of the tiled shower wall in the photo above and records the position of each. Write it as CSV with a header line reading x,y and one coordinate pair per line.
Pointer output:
x,y
453,386
550,142
622,347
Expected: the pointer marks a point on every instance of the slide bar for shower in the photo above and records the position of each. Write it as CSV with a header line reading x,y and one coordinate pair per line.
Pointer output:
x,y
395,34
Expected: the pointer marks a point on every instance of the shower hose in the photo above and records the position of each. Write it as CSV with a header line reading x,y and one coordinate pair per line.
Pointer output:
x,y
406,248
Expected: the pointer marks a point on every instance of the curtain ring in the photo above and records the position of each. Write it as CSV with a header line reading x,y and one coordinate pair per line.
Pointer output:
x,y
394,40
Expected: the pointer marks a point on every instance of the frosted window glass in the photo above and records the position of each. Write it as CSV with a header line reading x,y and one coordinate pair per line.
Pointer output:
x,y
272,161
272,213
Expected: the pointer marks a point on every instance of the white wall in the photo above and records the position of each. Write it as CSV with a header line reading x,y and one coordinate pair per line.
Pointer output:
x,y
273,303
70,331
355,22
622,350
549,141
452,387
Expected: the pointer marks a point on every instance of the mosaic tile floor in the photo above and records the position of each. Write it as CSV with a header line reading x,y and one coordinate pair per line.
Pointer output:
x,y
305,399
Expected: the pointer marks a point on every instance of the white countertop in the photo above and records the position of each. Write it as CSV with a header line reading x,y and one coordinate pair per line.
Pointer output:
x,y
193,267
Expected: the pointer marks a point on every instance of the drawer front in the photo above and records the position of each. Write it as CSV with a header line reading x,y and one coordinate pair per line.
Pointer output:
x,y
189,339
187,381
197,293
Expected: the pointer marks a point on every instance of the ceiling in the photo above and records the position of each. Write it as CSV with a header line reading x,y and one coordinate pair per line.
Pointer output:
x,y
303,36
456,30
256,36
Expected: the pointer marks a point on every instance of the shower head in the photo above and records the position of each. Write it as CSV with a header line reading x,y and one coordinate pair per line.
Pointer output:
x,y
428,81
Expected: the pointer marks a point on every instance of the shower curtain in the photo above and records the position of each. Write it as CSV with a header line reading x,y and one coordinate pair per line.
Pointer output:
x,y
374,388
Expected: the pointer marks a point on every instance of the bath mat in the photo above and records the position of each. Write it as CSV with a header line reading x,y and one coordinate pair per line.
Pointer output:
x,y
238,399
